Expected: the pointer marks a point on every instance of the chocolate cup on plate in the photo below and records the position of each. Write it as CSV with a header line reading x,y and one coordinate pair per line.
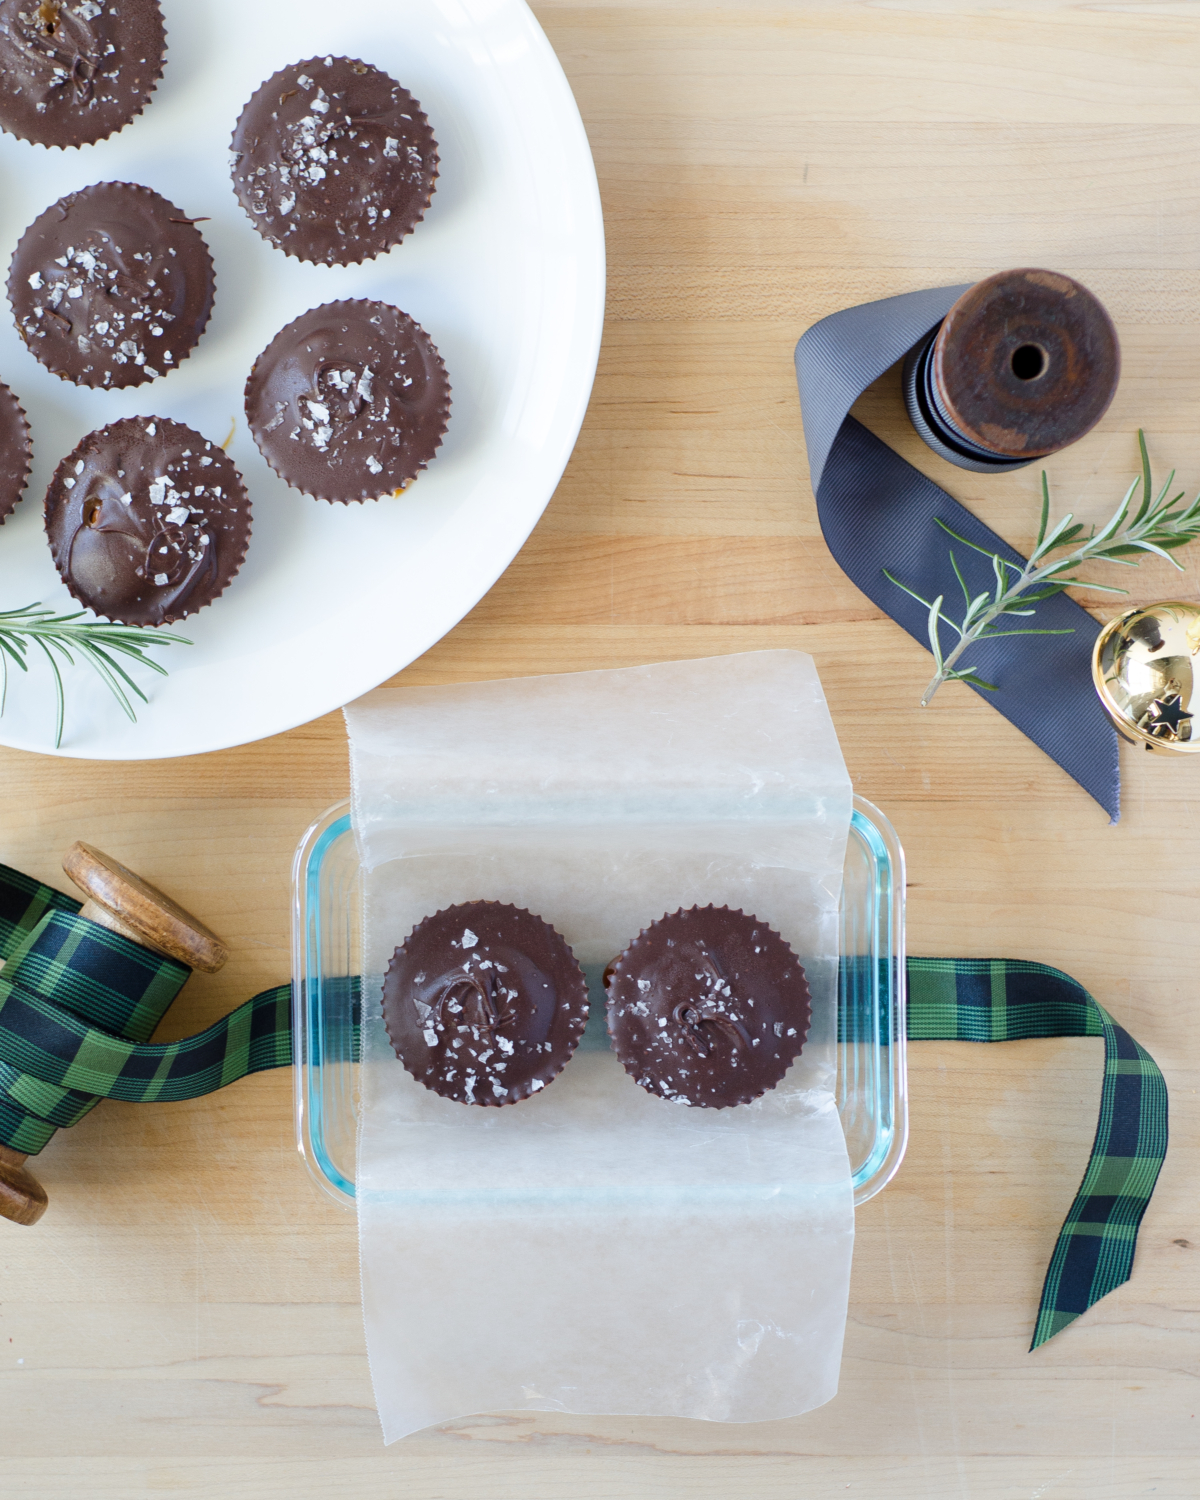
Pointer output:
x,y
73,72
349,402
484,1003
16,452
333,161
148,521
707,1007
111,286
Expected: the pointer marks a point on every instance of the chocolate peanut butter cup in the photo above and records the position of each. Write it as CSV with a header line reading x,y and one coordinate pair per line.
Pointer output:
x,y
16,452
707,1007
350,401
74,71
148,521
333,161
111,286
484,1003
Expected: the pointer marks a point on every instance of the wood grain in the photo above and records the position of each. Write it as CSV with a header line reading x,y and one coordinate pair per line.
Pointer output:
x,y
185,1319
121,900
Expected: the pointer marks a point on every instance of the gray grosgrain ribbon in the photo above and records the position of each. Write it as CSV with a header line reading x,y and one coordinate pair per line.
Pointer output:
x,y
877,512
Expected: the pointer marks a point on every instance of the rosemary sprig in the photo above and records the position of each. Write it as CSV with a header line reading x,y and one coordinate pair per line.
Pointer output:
x,y
1158,525
94,641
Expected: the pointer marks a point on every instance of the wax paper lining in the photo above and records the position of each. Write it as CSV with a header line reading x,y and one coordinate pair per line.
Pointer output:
x,y
594,1248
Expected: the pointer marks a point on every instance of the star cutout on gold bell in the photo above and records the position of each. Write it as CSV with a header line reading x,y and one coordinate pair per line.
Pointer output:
x,y
1167,719
1146,669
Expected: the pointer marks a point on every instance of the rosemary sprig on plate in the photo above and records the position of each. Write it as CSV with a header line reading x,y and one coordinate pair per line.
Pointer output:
x,y
1158,525
94,641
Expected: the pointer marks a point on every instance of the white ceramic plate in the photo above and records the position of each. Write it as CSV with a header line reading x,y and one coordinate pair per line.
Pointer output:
x,y
506,274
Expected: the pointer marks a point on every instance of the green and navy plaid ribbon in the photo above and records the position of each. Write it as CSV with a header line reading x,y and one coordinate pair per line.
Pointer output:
x,y
1005,1000
78,1004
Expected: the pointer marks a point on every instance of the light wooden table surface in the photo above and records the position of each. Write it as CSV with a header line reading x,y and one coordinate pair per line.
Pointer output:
x,y
185,1320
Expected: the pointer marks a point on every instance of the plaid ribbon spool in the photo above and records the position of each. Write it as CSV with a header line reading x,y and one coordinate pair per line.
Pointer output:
x,y
78,1003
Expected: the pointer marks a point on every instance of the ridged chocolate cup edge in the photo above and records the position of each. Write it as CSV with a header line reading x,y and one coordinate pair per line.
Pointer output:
x,y
364,494
311,260
7,507
170,619
126,384
615,967
97,140
529,1090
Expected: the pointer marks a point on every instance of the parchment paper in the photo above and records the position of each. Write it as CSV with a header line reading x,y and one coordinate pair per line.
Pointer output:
x,y
594,1248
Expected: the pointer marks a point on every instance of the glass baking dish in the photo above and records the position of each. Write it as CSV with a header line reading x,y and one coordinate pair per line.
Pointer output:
x,y
872,1074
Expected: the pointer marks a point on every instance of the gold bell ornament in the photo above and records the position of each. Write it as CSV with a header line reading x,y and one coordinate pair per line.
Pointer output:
x,y
1145,670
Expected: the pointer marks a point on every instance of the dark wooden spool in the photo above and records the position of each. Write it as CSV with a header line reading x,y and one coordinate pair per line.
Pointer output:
x,y
125,903
1025,363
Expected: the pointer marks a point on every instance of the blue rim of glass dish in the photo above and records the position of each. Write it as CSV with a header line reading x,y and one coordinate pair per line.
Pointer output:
x,y
871,1086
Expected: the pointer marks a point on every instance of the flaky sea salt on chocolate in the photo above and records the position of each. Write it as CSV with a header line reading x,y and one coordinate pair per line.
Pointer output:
x,y
74,71
350,401
112,286
333,161
708,1007
484,1003
148,521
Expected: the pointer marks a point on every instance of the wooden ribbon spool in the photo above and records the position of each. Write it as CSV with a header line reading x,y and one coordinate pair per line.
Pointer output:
x,y
125,903
1025,363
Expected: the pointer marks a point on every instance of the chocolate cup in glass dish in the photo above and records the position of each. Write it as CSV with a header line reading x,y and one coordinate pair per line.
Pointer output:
x,y
148,521
72,72
349,402
16,452
707,1007
484,1003
333,161
111,286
